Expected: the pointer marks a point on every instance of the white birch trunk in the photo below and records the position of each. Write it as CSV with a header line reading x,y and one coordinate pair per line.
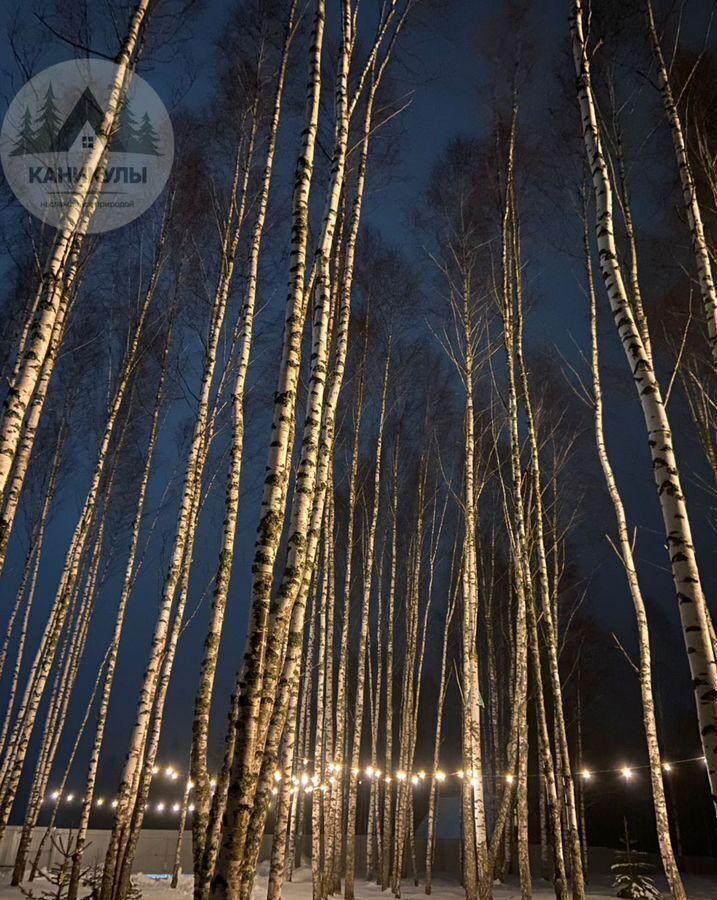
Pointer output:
x,y
691,601
53,283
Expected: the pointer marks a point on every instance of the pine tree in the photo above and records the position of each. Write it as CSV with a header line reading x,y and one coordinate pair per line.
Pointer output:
x,y
26,136
147,138
127,138
633,872
58,876
48,123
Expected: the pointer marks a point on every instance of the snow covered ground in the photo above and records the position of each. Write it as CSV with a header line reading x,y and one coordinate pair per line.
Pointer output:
x,y
158,888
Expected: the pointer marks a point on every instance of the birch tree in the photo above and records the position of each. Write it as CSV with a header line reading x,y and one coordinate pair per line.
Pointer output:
x,y
693,610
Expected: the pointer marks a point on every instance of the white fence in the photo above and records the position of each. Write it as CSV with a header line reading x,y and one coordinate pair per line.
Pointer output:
x,y
156,849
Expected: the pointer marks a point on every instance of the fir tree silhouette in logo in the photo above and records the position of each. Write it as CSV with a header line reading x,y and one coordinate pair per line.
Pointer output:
x,y
84,121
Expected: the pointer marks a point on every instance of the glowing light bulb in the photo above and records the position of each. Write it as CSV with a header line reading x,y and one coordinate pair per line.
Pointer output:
x,y
422,774
160,807
100,801
510,778
169,771
190,785
369,771
401,776
176,807
460,773
114,804
54,795
667,767
626,773
191,807
277,775
274,791
415,779
70,798
155,770
440,776
586,775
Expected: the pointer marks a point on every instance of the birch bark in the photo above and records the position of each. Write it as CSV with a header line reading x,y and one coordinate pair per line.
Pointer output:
x,y
691,600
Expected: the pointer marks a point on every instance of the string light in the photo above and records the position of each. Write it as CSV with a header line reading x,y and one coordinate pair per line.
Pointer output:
x,y
307,782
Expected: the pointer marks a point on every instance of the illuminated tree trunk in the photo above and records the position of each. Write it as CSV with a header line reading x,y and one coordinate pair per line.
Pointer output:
x,y
691,601
29,430
177,867
626,556
689,190
71,231
28,586
37,679
362,650
435,779
202,707
227,880
130,574
288,789
65,676
68,768
388,803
